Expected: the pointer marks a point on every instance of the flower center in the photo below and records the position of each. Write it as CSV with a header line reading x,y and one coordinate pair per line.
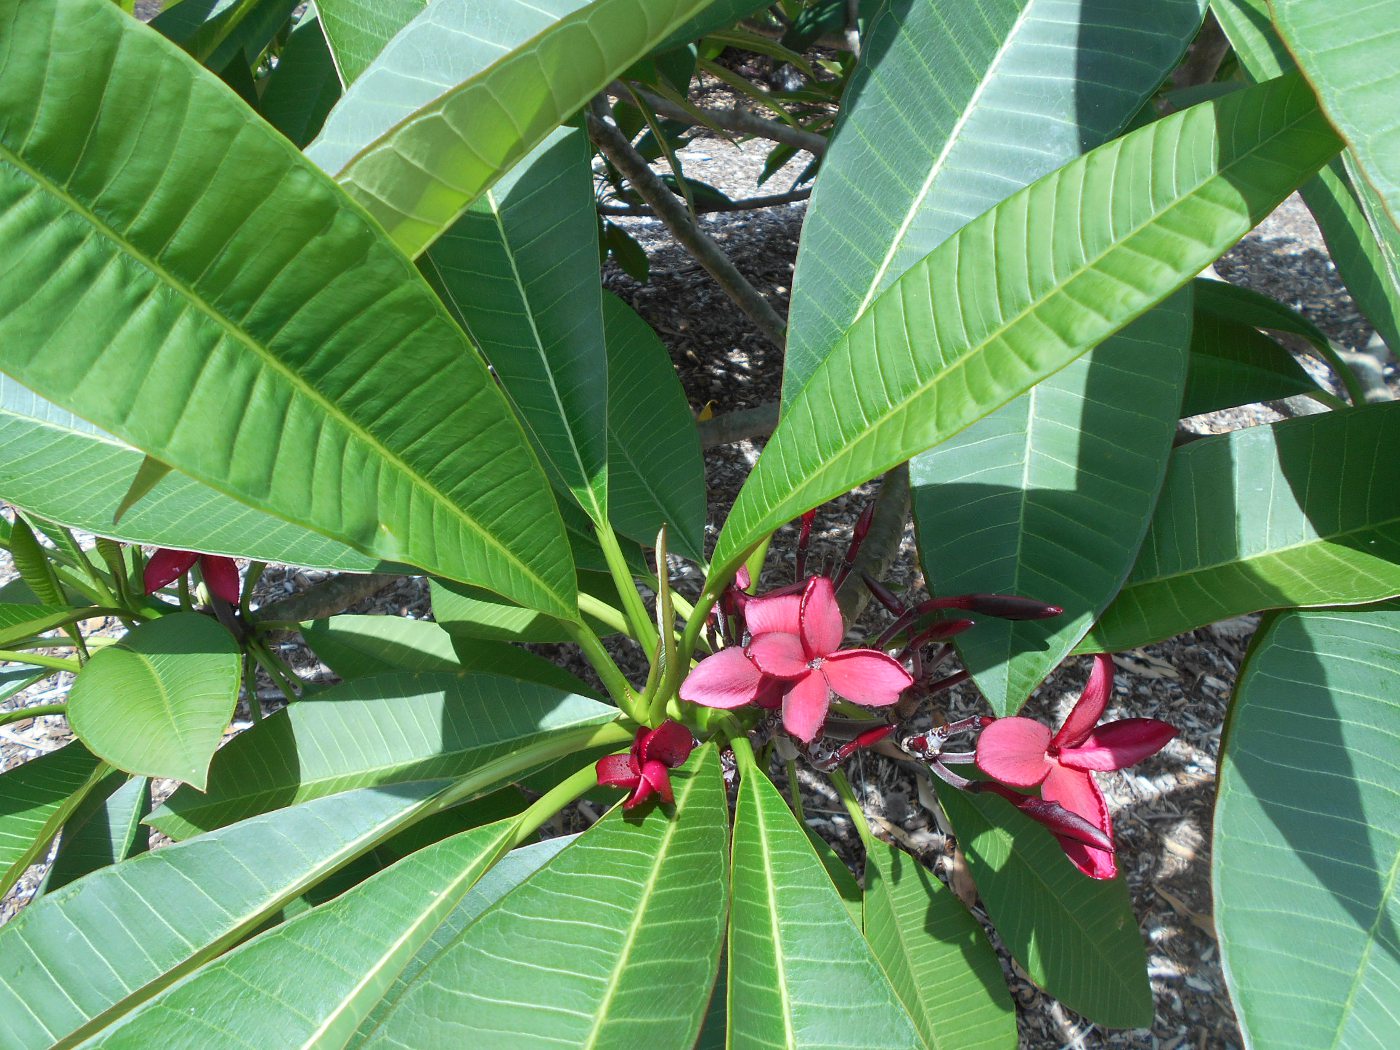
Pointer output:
x,y
816,664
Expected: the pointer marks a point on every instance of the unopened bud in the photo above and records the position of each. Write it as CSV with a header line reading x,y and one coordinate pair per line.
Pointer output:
x,y
863,740
1007,606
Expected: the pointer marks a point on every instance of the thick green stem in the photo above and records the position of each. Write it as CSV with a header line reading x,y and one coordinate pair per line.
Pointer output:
x,y
552,801
616,685
57,663
37,711
632,603
603,613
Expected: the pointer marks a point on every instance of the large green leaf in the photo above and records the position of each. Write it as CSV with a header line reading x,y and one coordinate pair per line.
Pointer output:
x,y
309,996
936,955
1233,363
62,468
391,728
656,471
104,829
1050,496
1351,56
466,90
19,621
628,962
304,86
1306,866
358,29
1107,236
157,702
519,271
100,946
36,797
1076,936
800,973
718,14
1297,513
953,108
1361,241
472,613
359,646
222,307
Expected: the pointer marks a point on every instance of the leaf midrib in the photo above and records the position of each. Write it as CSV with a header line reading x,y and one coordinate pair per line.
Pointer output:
x,y
293,378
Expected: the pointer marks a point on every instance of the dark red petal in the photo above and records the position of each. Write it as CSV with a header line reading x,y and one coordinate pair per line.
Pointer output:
x,y
1096,863
1062,822
654,774
617,771
770,692
1089,709
805,707
1013,751
641,794
1120,744
866,677
726,679
669,743
822,627
166,566
779,655
1077,792
220,576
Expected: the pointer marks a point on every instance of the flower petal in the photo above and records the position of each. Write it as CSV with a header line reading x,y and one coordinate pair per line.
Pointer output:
x,y
669,743
655,776
166,566
220,576
1062,822
822,628
805,706
1120,744
866,677
780,655
1089,709
726,679
770,692
641,794
781,612
617,771
1077,792
1013,751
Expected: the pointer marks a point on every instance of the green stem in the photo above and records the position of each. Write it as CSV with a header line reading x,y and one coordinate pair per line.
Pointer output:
x,y
250,686
255,571
632,604
603,613
58,663
552,801
613,679
38,711
739,742
269,664
795,792
853,807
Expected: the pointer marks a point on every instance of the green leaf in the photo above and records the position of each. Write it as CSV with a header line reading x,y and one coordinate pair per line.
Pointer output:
x,y
716,15
656,470
231,327
19,621
62,468
513,869
391,728
1264,518
1364,245
157,702
104,829
952,108
1233,363
215,31
31,561
1307,832
359,646
1076,936
304,86
1111,234
308,996
134,928
466,90
841,877
626,964
148,476
935,955
357,30
800,973
36,797
1050,496
519,271
470,612
1341,52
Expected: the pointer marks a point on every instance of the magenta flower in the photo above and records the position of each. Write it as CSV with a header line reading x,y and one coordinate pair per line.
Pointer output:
x,y
644,770
794,659
1022,753
220,573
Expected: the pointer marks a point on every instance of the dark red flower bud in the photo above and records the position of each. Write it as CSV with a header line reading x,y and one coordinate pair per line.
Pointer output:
x,y
1007,606
883,594
804,537
863,740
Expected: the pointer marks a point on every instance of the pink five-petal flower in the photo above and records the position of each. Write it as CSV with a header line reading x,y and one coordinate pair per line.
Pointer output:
x,y
220,573
1023,753
643,771
812,665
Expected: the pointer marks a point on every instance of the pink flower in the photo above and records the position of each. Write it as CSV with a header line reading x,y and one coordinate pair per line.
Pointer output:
x,y
643,771
794,658
1022,753
220,573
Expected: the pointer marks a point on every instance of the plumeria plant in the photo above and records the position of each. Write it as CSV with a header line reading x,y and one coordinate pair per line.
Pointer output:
x,y
319,285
